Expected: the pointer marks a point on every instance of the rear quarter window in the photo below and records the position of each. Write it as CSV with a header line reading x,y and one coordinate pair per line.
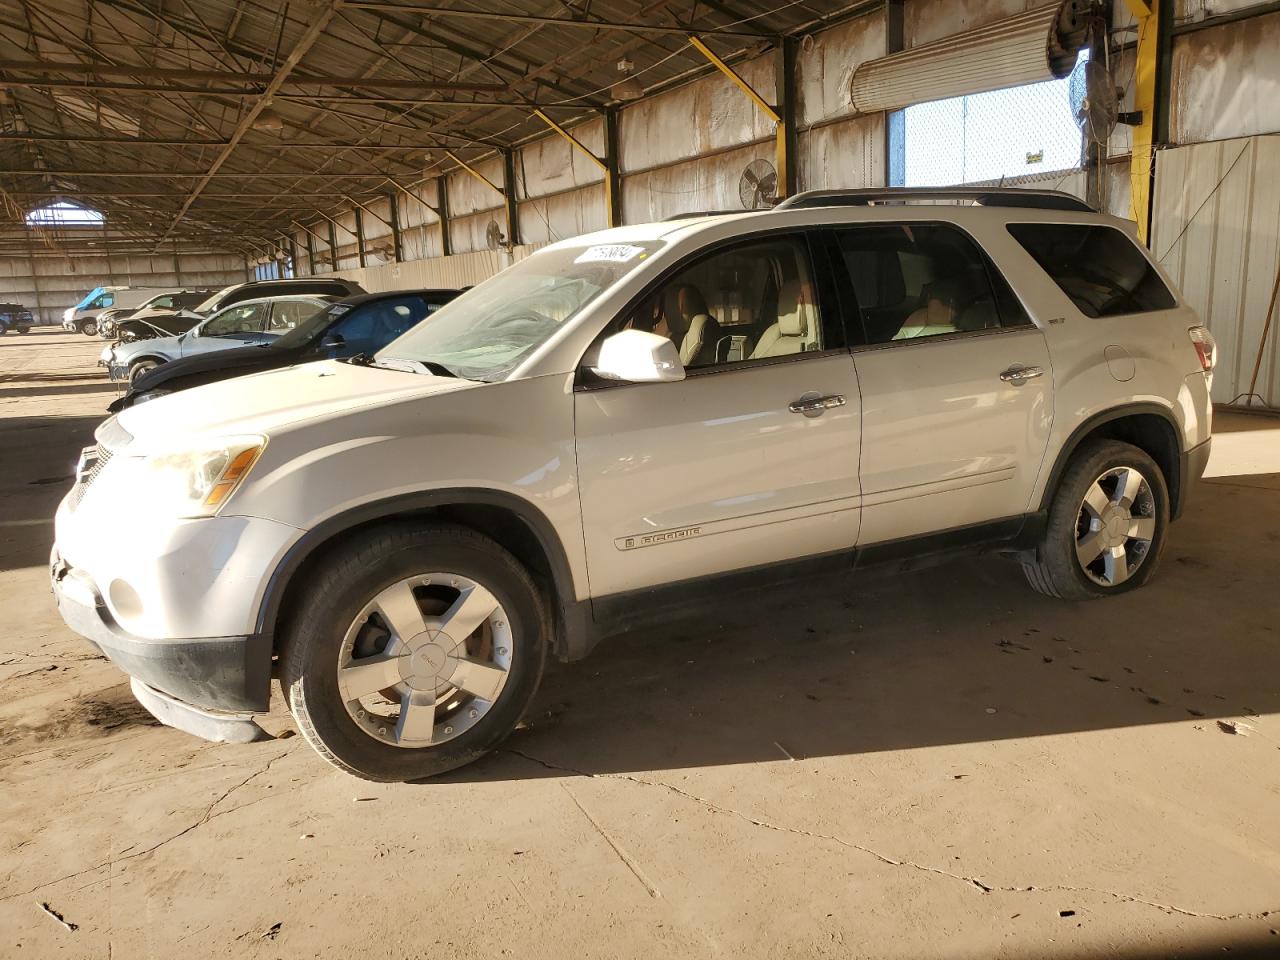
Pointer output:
x,y
1100,268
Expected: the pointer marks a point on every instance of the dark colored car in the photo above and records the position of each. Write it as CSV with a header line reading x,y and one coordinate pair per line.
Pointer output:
x,y
162,304
180,321
14,316
361,324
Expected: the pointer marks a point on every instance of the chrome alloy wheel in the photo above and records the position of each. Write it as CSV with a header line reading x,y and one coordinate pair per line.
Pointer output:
x,y
425,660
1115,526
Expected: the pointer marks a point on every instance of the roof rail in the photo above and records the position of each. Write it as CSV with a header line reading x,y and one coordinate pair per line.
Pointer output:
x,y
984,196
694,214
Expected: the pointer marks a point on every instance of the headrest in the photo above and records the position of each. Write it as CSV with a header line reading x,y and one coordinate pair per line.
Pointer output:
x,y
680,304
793,309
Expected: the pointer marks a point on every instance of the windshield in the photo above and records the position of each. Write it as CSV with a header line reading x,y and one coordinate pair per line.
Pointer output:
x,y
486,332
89,297
212,301
311,327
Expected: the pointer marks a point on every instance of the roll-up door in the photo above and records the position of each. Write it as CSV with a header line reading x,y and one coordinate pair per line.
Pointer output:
x,y
1040,44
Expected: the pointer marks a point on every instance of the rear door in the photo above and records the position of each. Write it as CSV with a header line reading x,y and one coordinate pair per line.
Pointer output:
x,y
752,459
956,383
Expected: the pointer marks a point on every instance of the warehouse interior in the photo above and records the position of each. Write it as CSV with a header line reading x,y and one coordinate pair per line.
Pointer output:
x,y
938,764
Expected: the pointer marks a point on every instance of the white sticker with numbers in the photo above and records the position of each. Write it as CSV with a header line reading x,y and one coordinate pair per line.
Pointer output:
x,y
609,253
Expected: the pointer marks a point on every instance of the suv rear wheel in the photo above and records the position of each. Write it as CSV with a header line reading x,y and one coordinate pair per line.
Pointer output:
x,y
414,651
1106,525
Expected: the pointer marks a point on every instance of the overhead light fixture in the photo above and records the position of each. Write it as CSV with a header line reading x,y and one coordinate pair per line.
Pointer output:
x,y
269,121
629,87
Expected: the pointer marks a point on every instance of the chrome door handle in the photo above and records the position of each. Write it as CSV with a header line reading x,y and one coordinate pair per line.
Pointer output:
x,y
811,404
1018,374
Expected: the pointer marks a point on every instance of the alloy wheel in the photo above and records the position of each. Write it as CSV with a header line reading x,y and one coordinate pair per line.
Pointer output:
x,y
425,660
1115,526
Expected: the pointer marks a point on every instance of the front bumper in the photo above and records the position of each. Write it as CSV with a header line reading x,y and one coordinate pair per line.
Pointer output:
x,y
213,673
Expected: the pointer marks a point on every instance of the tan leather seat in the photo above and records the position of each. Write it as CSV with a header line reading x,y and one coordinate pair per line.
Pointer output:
x,y
693,330
796,329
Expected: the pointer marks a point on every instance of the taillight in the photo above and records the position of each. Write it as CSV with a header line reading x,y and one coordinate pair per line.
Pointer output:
x,y
1206,347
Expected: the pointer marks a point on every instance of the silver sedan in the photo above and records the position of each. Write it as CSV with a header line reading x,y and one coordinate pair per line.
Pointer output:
x,y
248,323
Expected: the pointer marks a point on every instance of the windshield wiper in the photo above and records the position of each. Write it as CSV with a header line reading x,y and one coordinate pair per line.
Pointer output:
x,y
416,366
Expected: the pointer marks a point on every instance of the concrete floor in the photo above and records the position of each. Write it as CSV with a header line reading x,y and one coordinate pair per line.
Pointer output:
x,y
941,764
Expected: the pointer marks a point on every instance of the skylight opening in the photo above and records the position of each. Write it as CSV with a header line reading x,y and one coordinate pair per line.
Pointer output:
x,y
62,213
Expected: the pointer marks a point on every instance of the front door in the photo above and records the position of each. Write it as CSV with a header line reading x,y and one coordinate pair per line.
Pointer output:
x,y
956,383
753,458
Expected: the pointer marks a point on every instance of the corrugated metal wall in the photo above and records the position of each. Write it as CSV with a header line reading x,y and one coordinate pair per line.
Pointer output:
x,y
48,282
1216,230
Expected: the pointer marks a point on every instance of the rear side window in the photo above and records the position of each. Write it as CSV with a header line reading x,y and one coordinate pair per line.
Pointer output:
x,y
920,280
1100,268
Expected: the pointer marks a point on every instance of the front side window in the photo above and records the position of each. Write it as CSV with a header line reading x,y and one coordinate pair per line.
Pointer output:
x,y
242,318
920,280
287,314
89,298
1100,268
106,299
487,331
751,302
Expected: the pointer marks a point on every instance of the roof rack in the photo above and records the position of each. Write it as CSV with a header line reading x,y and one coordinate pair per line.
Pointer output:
x,y
984,196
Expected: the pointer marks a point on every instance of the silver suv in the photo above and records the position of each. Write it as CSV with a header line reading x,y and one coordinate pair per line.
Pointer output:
x,y
620,422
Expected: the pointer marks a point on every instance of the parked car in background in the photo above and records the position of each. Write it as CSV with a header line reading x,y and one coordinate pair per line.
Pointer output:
x,y
14,316
625,422
242,324
171,301
84,315
361,324
171,323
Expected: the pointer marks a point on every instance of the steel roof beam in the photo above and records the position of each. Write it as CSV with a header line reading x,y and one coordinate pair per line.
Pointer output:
x,y
167,73
305,42
583,24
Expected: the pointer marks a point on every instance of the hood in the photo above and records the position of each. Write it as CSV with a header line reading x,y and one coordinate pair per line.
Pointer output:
x,y
234,362
125,352
202,368
265,402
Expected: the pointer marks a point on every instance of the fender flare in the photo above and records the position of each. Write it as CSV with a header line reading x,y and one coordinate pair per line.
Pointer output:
x,y
1088,425
573,619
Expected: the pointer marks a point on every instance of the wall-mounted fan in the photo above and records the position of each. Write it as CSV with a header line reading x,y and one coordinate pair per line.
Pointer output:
x,y
758,185
1095,101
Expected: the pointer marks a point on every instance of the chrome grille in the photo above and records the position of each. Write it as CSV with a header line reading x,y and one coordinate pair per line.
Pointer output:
x,y
92,462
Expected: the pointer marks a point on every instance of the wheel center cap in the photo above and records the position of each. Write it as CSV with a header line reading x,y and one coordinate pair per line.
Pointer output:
x,y
426,661
1115,525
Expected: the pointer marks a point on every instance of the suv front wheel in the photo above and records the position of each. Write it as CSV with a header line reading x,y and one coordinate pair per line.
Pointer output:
x,y
414,650
88,327
1106,524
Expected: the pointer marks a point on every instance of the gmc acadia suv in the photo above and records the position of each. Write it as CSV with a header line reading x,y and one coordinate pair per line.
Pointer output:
x,y
849,377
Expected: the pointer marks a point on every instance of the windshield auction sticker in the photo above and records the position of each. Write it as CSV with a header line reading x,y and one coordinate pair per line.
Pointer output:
x,y
609,253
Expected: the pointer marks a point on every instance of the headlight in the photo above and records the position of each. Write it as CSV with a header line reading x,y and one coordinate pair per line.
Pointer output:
x,y
106,355
198,481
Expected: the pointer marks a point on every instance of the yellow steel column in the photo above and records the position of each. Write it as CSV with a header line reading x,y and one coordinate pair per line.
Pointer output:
x,y
782,152
1146,65
610,178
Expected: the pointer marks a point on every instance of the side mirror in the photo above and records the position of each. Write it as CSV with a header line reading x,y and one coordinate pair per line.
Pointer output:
x,y
635,356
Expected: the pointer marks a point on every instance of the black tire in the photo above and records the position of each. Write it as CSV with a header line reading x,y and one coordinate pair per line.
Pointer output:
x,y
23,329
141,367
334,596
88,327
1055,570
3,329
